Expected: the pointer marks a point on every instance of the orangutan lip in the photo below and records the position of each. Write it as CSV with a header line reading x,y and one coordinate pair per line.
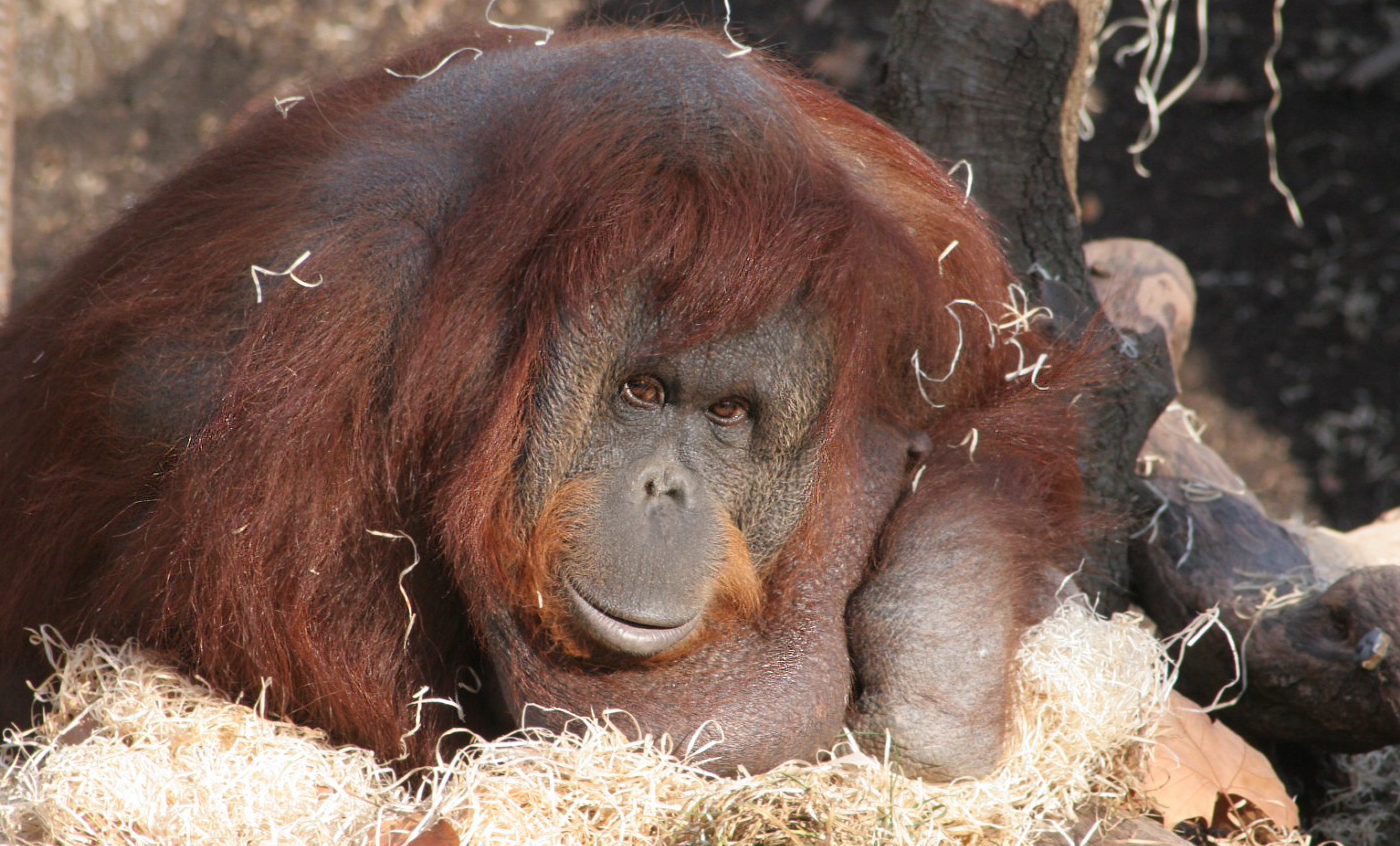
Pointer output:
x,y
626,636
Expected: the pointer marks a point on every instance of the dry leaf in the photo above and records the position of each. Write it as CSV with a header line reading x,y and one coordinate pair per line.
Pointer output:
x,y
1197,761
395,832
1379,542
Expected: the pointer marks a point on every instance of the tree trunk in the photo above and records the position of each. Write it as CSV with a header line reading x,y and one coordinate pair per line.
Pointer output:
x,y
999,84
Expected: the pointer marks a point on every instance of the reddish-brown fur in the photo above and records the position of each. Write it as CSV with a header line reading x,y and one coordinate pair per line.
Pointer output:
x,y
243,545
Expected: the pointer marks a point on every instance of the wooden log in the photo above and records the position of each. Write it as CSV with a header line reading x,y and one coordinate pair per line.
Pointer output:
x,y
1142,287
1311,614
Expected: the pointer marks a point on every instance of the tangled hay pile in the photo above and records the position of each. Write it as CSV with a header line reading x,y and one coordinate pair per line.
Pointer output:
x,y
1365,807
132,752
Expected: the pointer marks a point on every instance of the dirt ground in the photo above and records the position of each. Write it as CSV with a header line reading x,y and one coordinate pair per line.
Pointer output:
x,y
1297,347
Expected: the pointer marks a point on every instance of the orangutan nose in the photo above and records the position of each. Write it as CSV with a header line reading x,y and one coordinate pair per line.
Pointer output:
x,y
664,482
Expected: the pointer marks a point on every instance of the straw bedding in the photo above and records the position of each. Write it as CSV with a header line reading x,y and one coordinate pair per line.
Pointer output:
x,y
132,752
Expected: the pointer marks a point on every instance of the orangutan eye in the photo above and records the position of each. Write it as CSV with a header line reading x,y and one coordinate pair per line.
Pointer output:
x,y
643,392
728,412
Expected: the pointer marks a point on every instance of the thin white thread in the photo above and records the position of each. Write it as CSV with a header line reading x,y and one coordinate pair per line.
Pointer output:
x,y
1152,524
692,750
420,698
403,574
1022,369
475,686
1275,100
967,165
437,67
547,32
1020,312
970,441
1018,318
914,485
1192,634
285,104
1158,24
1190,542
259,272
946,252
739,49
920,376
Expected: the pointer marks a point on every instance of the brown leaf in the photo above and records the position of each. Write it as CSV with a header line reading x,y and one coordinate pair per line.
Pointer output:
x,y
1379,542
395,833
1197,761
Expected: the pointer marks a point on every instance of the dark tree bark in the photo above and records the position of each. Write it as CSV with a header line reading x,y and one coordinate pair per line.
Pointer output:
x,y
1310,613
999,84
